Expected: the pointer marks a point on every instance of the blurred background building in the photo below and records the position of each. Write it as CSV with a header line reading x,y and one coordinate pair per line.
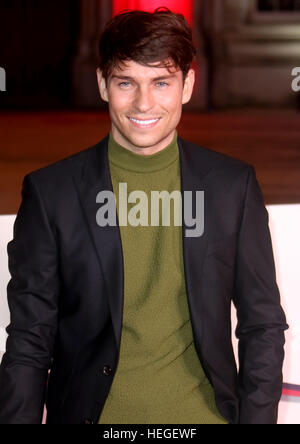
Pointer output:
x,y
243,104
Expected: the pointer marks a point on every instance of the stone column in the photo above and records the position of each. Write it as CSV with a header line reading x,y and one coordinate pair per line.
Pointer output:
x,y
199,100
222,17
93,16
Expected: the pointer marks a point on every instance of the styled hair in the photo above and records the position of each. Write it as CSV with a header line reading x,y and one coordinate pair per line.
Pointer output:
x,y
147,38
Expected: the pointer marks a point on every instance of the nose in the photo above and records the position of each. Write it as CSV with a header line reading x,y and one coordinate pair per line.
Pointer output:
x,y
144,100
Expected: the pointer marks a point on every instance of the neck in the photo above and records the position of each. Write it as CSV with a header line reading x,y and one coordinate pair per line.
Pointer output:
x,y
131,161
142,150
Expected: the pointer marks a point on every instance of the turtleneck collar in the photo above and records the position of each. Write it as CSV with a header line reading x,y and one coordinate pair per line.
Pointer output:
x,y
126,159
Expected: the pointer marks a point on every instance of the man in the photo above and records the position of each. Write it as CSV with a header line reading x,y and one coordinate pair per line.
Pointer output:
x,y
134,318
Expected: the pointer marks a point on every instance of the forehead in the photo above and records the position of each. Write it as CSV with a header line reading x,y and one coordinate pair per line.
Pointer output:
x,y
136,70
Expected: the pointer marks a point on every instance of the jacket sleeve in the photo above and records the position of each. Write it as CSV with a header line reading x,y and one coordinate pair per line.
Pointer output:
x,y
261,320
32,298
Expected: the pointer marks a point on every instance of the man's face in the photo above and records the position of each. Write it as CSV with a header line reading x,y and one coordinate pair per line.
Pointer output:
x,y
145,104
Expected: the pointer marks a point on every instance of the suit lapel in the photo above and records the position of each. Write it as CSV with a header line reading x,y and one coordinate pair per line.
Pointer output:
x,y
95,177
107,241
195,173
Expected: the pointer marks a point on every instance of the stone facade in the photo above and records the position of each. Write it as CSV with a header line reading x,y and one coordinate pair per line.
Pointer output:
x,y
254,54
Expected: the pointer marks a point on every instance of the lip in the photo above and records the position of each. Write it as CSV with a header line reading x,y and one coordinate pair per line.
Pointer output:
x,y
144,125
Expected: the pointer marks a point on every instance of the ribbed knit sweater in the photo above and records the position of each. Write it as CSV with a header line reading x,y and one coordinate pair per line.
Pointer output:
x,y
159,378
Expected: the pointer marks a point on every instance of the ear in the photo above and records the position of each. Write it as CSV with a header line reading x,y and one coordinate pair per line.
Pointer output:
x,y
102,85
188,86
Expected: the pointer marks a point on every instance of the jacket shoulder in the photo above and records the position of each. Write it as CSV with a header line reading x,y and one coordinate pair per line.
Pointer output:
x,y
62,169
213,158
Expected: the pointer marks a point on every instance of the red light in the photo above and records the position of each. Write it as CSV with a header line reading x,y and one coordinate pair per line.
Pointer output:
x,y
179,6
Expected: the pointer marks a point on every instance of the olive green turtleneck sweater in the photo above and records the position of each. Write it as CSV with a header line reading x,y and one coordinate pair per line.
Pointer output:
x,y
159,379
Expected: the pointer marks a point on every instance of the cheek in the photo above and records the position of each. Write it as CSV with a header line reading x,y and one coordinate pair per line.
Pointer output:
x,y
172,101
119,103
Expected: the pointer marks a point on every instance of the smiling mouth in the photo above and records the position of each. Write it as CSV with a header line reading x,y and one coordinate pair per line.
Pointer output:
x,y
144,123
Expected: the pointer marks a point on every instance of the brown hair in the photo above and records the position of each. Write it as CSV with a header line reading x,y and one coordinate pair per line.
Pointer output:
x,y
147,38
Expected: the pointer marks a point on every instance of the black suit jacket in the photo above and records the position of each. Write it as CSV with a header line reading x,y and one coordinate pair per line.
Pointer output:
x,y
66,292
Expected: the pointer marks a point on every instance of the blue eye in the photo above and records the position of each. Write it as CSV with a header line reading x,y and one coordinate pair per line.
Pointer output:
x,y
162,84
124,84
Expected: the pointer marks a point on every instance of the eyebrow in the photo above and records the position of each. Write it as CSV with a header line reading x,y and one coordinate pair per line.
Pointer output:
x,y
155,79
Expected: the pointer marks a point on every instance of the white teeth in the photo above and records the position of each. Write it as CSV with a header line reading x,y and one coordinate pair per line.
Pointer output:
x,y
144,122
